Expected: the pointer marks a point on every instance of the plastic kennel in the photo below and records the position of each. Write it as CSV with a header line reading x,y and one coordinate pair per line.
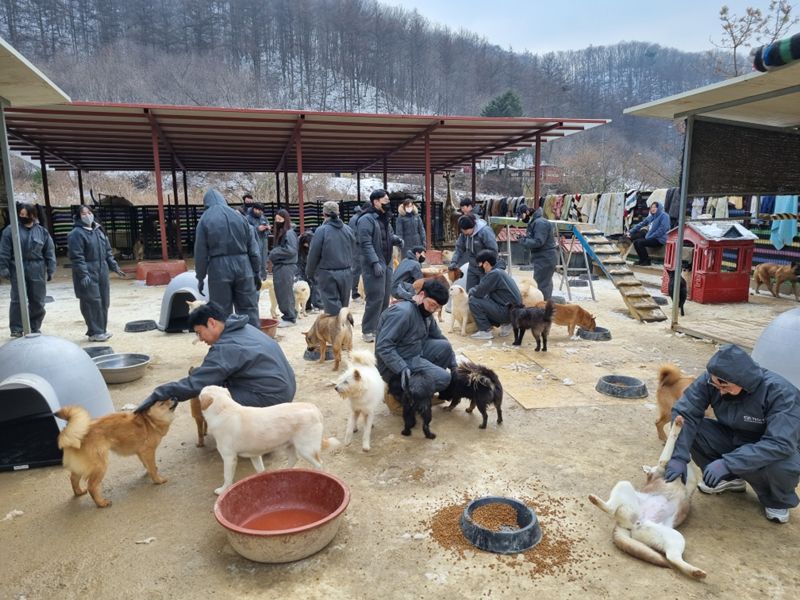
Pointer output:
x,y
174,310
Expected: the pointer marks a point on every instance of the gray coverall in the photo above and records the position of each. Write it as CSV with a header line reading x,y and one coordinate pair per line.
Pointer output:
x,y
539,239
375,238
489,300
355,271
262,237
330,258
467,249
91,256
226,250
756,432
39,261
411,230
408,271
284,266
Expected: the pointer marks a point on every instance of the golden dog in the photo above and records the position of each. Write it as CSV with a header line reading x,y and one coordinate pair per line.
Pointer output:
x,y
571,315
86,443
766,272
334,331
671,385
273,299
461,312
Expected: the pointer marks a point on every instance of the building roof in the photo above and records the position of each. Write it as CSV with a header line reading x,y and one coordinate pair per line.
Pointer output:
x,y
96,136
22,84
767,99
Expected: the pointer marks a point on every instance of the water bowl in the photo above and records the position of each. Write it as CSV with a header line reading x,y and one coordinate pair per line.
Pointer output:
x,y
123,367
509,538
284,515
600,334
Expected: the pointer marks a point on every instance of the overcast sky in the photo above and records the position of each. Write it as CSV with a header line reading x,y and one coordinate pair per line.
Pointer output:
x,y
543,26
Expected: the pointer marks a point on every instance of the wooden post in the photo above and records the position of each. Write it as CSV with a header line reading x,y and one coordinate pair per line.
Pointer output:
x,y
299,154
46,188
159,193
428,191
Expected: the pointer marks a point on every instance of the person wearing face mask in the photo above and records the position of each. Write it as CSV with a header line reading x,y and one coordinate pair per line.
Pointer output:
x,y
475,236
489,300
39,262
754,439
284,266
254,213
410,342
375,240
408,271
330,257
91,257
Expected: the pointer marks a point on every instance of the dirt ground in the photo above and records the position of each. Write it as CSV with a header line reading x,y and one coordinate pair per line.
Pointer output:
x,y
64,547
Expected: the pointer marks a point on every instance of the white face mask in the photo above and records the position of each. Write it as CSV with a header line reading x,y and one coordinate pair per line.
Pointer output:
x,y
87,220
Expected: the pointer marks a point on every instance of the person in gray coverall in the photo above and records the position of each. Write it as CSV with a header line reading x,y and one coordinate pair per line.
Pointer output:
x,y
39,261
754,439
355,271
489,300
330,258
539,239
408,271
409,341
375,239
409,225
225,249
91,257
476,235
250,364
284,266
260,223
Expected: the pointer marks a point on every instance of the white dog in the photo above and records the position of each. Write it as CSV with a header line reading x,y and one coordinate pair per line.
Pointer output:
x,y
302,292
362,385
251,431
461,312
531,295
646,518
273,299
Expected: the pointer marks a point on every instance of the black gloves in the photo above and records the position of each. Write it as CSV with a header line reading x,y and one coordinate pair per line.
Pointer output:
x,y
200,286
144,406
257,280
121,273
86,281
377,269
405,379
715,472
675,468
49,277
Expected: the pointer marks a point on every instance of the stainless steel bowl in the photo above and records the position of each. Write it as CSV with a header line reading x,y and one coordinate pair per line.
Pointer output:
x,y
123,367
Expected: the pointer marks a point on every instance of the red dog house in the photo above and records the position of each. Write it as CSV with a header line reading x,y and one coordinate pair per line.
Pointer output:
x,y
721,261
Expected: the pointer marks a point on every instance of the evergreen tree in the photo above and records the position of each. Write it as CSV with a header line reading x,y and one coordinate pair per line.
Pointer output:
x,y
505,105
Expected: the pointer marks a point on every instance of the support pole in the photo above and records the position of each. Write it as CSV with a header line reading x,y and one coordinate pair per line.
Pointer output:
x,y
80,186
178,244
474,179
278,188
286,187
13,218
687,157
299,156
159,194
537,172
428,191
385,175
189,234
46,189
358,187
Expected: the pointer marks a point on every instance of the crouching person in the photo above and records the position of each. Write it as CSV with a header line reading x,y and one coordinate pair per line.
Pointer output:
x,y
241,358
408,271
410,342
489,300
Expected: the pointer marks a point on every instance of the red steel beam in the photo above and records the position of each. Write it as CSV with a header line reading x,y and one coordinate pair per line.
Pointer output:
x,y
299,157
160,195
537,179
164,138
408,142
292,138
428,190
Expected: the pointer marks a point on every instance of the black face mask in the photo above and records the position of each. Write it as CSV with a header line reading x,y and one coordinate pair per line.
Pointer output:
x,y
25,220
423,311
421,259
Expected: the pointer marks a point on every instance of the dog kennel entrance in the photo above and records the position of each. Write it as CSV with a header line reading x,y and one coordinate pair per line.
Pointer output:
x,y
28,429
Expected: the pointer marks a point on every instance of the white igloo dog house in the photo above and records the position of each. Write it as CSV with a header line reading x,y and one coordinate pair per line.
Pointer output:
x,y
38,375
778,346
174,307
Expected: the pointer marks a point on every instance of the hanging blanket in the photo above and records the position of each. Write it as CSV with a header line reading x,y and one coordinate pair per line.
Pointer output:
x,y
783,232
777,53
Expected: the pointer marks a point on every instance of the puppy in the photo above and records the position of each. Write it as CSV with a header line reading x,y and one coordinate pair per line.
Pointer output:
x,y
671,385
646,518
302,292
531,295
417,285
571,315
194,304
252,431
461,312
138,250
478,383
416,400
362,385
86,443
683,292
273,299
538,320
765,272
334,331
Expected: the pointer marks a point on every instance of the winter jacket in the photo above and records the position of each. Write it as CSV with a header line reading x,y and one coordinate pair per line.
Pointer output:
x,y
285,251
467,247
408,271
91,256
764,417
411,229
38,251
659,225
499,287
401,332
331,247
375,237
539,236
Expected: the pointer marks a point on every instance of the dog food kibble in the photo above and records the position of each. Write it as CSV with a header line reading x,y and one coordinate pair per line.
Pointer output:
x,y
495,517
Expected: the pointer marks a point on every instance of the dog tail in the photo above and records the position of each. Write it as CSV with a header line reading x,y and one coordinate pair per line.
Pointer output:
x,y
344,318
330,443
549,307
363,358
78,421
668,374
623,540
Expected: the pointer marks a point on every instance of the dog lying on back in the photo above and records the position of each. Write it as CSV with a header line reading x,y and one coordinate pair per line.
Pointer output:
x,y
302,292
646,518
362,385
334,331
461,311
671,385
480,385
538,320
683,291
766,272
86,443
571,315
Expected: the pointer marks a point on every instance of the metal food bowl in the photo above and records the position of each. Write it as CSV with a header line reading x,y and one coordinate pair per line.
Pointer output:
x,y
95,351
123,367
525,536
621,386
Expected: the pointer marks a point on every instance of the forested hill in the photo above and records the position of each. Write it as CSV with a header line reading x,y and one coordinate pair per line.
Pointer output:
x,y
348,55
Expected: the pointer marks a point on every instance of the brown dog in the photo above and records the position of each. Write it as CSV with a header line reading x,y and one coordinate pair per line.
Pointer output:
x,y
571,315
671,384
197,415
86,443
334,331
766,272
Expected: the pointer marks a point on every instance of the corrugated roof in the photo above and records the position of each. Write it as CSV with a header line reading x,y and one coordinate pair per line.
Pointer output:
x,y
105,137
22,84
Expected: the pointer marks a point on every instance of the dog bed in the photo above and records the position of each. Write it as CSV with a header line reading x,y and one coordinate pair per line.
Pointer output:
x,y
621,386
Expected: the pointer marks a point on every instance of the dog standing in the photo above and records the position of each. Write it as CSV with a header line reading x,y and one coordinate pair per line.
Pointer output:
x,y
461,311
252,431
766,272
138,250
334,331
538,320
571,315
480,385
646,518
273,299
683,291
302,292
86,443
362,385
417,401
199,420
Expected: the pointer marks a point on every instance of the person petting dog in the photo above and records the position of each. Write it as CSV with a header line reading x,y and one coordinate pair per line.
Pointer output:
x,y
489,300
651,232
541,242
475,236
408,271
755,438
330,258
250,364
409,342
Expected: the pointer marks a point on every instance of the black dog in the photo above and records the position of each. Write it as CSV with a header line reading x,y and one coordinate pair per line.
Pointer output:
x,y
478,383
538,320
683,292
416,399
